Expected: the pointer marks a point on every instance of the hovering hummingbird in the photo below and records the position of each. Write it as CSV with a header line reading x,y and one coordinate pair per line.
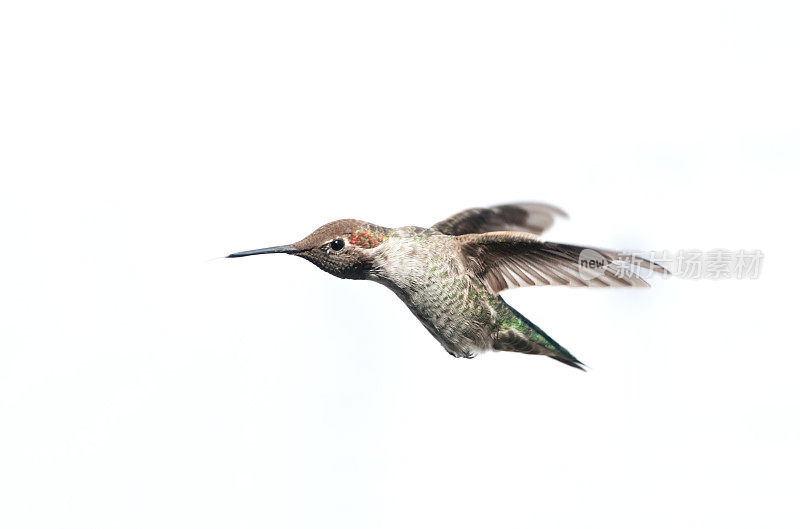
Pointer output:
x,y
450,275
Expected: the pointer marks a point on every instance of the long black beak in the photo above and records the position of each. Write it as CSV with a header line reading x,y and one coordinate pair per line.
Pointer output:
x,y
275,249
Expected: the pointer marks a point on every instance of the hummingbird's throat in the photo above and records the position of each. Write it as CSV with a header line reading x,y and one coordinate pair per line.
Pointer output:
x,y
366,238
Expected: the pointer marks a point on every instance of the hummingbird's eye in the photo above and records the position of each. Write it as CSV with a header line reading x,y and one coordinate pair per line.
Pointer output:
x,y
337,244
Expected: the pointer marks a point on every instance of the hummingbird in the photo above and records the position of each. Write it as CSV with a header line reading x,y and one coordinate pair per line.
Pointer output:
x,y
451,274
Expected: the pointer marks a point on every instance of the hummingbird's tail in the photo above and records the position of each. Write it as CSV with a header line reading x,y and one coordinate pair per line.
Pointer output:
x,y
518,334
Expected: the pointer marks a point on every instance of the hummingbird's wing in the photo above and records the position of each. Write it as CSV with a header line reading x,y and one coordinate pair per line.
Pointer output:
x,y
529,217
505,260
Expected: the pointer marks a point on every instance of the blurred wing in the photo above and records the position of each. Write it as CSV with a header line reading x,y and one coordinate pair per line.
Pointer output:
x,y
528,217
505,260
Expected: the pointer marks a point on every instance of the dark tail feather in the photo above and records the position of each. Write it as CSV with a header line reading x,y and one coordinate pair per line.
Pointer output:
x,y
566,358
559,353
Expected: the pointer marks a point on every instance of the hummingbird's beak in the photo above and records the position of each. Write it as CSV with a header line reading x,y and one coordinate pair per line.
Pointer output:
x,y
275,249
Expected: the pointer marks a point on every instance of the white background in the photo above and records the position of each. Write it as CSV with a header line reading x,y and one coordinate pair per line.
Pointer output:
x,y
143,384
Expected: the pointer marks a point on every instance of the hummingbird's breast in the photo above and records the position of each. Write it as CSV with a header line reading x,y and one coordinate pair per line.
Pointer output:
x,y
425,269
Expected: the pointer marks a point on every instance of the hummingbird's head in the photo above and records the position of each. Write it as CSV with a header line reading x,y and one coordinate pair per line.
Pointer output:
x,y
344,248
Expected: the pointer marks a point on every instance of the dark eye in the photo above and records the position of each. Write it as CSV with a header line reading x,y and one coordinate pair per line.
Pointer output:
x,y
337,244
